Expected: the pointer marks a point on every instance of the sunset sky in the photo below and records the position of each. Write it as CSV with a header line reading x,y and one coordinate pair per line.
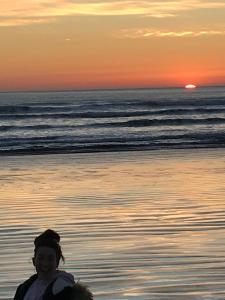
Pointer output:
x,y
68,44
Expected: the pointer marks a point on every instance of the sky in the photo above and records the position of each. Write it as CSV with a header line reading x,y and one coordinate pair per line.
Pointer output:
x,y
70,44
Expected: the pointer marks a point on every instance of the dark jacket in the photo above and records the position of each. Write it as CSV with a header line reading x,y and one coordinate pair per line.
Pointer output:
x,y
65,294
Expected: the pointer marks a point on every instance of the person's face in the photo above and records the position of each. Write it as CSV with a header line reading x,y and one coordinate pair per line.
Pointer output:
x,y
45,262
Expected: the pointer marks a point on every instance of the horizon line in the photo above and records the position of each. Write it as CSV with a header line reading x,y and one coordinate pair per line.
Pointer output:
x,y
106,89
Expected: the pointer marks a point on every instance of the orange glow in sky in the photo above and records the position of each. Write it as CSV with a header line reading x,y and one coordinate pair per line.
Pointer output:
x,y
66,44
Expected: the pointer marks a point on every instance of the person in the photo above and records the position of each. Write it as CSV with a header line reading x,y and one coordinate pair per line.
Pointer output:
x,y
49,283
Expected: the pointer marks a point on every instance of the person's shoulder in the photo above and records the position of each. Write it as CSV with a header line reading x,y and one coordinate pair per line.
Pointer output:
x,y
62,281
28,281
32,278
23,287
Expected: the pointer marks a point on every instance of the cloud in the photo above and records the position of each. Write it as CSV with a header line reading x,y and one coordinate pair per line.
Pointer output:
x,y
10,22
148,33
29,10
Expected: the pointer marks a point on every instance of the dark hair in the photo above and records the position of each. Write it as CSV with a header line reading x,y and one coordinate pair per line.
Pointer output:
x,y
51,239
81,292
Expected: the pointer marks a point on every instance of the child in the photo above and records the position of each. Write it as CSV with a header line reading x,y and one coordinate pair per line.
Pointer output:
x,y
49,283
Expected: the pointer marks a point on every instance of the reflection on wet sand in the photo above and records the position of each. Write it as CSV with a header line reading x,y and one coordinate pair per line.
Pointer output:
x,y
135,225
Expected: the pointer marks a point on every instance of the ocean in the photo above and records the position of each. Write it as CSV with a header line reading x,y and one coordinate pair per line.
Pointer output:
x,y
146,224
117,120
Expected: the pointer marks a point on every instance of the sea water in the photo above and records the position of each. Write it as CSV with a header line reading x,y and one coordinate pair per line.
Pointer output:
x,y
87,121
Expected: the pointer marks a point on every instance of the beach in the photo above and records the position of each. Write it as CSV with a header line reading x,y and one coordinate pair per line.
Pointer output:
x,y
134,225
112,134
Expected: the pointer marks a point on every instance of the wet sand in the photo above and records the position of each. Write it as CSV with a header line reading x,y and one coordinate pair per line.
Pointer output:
x,y
134,225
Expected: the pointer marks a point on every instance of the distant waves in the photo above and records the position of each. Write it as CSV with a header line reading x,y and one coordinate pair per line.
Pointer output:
x,y
33,123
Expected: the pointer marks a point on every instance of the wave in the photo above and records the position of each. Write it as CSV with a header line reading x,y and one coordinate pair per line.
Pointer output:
x,y
162,122
60,144
28,127
130,123
116,114
102,121
115,105
113,147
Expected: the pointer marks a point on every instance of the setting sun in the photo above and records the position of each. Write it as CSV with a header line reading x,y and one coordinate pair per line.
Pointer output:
x,y
190,86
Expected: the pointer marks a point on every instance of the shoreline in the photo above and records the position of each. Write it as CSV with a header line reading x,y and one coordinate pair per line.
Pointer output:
x,y
105,150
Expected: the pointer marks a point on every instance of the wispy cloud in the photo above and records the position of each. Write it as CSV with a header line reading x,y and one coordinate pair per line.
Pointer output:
x,y
148,33
28,9
9,22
